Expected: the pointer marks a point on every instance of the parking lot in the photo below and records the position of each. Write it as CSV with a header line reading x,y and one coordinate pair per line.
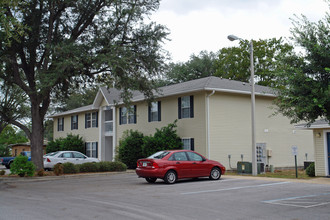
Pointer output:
x,y
124,196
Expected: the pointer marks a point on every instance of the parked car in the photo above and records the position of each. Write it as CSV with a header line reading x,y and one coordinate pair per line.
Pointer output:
x,y
172,165
7,161
74,157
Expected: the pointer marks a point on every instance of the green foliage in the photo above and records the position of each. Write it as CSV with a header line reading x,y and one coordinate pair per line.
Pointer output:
x,y
134,145
71,142
310,171
107,166
306,77
70,168
88,167
198,66
165,138
21,166
55,46
234,62
130,148
58,169
9,136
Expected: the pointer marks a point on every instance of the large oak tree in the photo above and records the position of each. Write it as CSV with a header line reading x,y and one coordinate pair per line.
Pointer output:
x,y
50,46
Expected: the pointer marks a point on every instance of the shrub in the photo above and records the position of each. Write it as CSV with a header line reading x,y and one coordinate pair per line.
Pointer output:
x,y
41,172
130,148
104,166
165,138
70,168
310,171
58,169
88,167
71,142
2,172
21,166
117,166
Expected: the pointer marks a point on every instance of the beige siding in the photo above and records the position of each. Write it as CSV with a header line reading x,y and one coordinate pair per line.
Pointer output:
x,y
230,131
187,128
319,153
88,134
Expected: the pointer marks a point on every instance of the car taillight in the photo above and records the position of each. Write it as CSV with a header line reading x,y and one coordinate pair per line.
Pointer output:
x,y
48,160
155,165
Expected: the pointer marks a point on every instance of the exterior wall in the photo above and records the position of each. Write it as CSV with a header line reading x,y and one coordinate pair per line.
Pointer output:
x,y
88,134
319,152
187,127
230,131
16,150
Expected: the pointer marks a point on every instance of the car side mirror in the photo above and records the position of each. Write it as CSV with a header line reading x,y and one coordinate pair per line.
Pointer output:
x,y
203,159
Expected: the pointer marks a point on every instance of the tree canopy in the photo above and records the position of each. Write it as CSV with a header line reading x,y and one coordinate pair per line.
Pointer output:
x,y
9,136
306,77
56,45
234,62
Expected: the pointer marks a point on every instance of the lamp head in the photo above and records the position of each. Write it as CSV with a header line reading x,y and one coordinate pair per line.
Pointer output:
x,y
233,37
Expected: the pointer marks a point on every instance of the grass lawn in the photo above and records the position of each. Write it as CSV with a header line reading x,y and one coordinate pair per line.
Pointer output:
x,y
289,174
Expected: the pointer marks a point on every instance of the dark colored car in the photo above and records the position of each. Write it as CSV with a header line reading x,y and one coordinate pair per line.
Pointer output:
x,y
178,164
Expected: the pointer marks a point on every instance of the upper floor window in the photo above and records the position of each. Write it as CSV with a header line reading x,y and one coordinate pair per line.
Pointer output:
x,y
91,120
74,122
188,143
60,124
154,111
127,115
186,107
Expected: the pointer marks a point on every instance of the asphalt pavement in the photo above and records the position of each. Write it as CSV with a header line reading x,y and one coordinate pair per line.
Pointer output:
x,y
124,196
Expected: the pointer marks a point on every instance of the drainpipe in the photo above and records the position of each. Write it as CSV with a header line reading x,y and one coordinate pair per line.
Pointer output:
x,y
208,122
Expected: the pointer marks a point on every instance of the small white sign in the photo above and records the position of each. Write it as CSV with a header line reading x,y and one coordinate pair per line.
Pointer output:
x,y
294,150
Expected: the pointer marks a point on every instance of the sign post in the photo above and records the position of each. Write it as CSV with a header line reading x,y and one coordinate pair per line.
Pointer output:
x,y
295,153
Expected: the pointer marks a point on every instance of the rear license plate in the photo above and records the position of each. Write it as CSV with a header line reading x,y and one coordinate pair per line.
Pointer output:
x,y
144,164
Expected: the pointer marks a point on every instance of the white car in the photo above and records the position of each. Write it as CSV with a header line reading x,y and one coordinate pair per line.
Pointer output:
x,y
74,157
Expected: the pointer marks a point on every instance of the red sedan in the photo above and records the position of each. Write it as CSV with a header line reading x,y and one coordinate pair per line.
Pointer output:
x,y
178,164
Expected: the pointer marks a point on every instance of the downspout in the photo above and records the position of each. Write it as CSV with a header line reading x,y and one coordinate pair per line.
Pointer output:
x,y
208,122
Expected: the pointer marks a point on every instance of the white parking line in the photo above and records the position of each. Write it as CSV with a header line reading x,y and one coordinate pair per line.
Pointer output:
x,y
235,188
300,201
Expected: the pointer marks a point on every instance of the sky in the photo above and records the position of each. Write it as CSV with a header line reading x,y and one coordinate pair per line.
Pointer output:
x,y
197,25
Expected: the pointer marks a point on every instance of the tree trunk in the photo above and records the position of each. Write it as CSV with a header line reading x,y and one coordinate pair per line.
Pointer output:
x,y
37,137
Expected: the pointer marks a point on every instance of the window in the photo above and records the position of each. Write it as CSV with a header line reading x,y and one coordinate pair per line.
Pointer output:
x,y
186,107
74,122
188,143
60,124
108,122
180,156
91,149
154,111
127,115
78,155
66,155
194,157
91,120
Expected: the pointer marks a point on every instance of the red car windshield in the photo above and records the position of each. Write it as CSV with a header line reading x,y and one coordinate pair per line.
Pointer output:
x,y
159,155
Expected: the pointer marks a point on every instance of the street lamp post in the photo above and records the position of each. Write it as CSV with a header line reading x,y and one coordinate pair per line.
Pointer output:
x,y
254,158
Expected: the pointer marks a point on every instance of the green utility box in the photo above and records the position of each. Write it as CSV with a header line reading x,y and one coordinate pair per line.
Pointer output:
x,y
244,167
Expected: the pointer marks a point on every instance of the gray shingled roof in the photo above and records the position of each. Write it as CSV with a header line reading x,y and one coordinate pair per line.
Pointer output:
x,y
203,84
211,83
322,123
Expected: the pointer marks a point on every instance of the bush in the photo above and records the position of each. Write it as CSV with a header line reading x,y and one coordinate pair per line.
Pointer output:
x,y
70,168
310,171
130,148
165,138
117,166
71,142
88,167
58,169
41,172
21,166
2,172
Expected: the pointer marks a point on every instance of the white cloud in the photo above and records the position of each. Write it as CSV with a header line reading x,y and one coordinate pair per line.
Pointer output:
x,y
197,25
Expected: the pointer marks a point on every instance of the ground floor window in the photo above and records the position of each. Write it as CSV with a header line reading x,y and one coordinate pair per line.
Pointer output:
x,y
91,149
188,143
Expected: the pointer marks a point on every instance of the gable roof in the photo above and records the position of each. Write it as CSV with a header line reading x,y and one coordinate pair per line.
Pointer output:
x,y
212,83
322,123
